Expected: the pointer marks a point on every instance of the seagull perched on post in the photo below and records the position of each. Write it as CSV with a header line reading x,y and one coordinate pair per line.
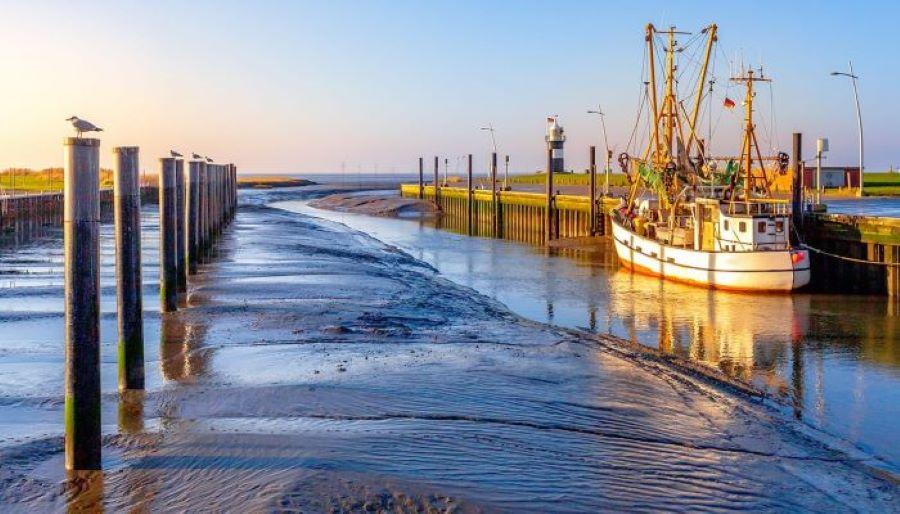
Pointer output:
x,y
196,156
82,126
209,160
175,154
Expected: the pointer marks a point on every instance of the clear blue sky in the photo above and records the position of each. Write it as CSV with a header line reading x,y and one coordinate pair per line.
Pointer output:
x,y
304,86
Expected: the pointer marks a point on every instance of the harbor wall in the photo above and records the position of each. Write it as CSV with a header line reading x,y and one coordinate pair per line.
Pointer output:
x,y
849,254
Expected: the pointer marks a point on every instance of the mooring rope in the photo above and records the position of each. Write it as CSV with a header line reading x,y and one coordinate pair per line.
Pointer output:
x,y
851,259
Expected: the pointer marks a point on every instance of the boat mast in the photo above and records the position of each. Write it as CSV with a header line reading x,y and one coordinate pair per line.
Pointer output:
x,y
653,145
749,142
701,81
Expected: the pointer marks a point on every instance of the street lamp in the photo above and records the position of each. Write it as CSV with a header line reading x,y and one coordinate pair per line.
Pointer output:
x,y
599,112
490,128
853,78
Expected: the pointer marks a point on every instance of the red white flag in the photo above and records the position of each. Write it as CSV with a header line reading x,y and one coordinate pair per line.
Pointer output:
x,y
729,103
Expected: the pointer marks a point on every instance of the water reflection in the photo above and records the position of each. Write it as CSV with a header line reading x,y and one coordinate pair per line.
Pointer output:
x,y
84,491
833,359
183,357
131,411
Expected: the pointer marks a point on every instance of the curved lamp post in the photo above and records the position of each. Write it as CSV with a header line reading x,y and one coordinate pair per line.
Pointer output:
x,y
853,78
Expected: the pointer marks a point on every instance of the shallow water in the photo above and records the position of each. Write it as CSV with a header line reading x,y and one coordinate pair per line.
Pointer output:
x,y
833,360
889,207
317,369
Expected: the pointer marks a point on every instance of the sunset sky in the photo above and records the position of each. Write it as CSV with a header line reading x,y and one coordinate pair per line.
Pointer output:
x,y
299,87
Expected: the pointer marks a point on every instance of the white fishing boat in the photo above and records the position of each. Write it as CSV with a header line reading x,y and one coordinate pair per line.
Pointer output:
x,y
698,219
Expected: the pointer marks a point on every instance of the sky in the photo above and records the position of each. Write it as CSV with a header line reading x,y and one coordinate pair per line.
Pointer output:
x,y
304,87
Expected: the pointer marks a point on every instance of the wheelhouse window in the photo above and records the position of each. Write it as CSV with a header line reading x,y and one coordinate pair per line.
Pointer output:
x,y
761,227
742,226
779,226
725,225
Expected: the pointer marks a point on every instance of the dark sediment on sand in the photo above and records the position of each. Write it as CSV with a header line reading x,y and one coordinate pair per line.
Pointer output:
x,y
317,369
378,204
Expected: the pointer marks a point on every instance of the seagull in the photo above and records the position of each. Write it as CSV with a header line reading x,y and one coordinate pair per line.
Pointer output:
x,y
196,156
209,160
173,153
82,126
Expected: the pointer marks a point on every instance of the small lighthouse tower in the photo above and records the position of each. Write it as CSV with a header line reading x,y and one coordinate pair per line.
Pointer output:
x,y
555,138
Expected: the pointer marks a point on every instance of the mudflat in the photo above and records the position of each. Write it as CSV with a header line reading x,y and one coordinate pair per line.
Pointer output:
x,y
315,368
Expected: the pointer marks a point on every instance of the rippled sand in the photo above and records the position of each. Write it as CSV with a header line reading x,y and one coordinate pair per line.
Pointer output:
x,y
316,369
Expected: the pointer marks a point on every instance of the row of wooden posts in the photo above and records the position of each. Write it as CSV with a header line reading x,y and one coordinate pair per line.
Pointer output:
x,y
194,207
554,217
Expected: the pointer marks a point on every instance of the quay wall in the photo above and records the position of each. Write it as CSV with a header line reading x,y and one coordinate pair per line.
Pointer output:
x,y
519,216
849,254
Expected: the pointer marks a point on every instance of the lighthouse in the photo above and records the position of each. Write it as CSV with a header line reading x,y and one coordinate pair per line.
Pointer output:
x,y
555,138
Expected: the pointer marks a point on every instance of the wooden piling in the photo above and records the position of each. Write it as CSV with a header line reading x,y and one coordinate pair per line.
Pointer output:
x,y
180,223
203,209
592,194
495,205
469,193
82,303
437,186
797,181
192,206
168,271
129,291
421,178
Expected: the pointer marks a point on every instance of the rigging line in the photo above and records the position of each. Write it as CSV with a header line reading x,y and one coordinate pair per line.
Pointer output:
x,y
773,112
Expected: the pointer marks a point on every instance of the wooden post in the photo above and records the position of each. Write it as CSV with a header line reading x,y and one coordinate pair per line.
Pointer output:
x,y
192,204
797,182
180,224
129,291
469,193
421,178
203,206
437,187
82,303
495,208
548,222
168,278
593,192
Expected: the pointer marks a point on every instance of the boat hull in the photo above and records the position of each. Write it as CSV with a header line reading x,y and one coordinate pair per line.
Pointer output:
x,y
771,271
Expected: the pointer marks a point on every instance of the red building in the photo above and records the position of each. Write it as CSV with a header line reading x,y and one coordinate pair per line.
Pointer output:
x,y
832,177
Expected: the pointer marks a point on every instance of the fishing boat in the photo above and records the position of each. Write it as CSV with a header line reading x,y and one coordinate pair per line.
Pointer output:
x,y
697,218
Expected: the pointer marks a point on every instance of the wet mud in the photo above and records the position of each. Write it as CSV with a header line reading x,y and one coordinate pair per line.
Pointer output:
x,y
316,369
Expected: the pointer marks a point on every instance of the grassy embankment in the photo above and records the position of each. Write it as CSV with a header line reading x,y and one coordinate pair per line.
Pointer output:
x,y
269,181
876,184
35,181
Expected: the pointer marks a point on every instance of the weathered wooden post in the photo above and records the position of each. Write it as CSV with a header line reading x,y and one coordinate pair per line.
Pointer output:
x,y
495,207
797,182
593,192
129,291
548,229
469,203
192,204
82,303
168,272
437,187
421,178
203,205
180,222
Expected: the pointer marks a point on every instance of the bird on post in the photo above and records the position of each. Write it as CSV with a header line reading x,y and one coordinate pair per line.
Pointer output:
x,y
82,126
196,156
209,160
175,154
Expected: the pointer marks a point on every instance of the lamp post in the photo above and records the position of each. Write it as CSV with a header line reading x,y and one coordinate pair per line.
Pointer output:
x,y
853,78
490,128
607,169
